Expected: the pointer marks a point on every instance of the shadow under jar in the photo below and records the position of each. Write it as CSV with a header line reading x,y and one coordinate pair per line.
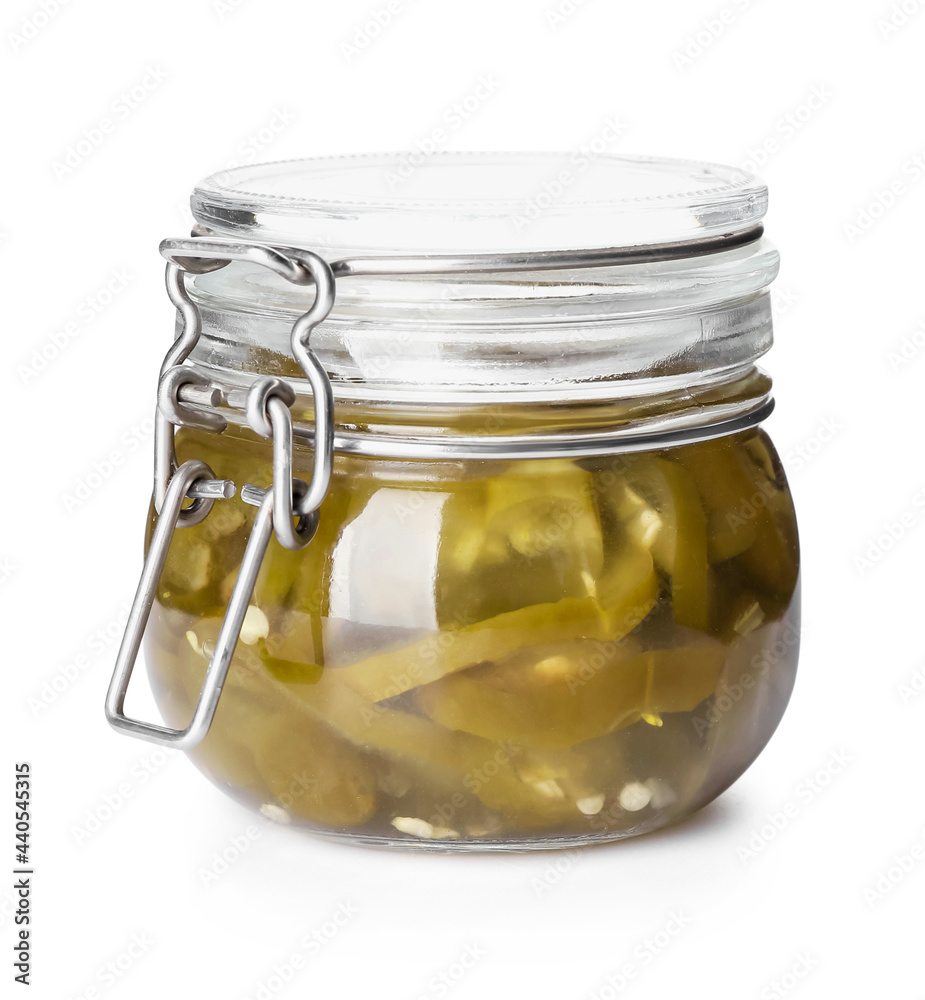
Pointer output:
x,y
552,598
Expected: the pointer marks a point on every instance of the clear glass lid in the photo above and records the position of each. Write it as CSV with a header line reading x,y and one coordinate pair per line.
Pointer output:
x,y
458,203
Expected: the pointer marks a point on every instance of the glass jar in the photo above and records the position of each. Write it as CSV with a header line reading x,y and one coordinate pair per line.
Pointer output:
x,y
515,565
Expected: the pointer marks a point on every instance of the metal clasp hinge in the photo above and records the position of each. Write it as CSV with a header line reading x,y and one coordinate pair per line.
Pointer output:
x,y
268,412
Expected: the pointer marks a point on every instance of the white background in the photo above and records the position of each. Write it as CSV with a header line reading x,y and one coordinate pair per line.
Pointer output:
x,y
244,80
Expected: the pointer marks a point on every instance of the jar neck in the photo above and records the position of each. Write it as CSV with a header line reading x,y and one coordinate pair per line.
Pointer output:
x,y
536,430
570,357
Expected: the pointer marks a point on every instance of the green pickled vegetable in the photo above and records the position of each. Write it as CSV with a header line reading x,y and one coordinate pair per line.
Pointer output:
x,y
676,530
627,596
489,651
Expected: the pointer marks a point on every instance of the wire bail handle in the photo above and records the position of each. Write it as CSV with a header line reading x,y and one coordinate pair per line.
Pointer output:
x,y
267,410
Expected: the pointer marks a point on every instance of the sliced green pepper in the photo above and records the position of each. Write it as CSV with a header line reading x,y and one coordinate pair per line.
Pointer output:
x,y
627,596
679,542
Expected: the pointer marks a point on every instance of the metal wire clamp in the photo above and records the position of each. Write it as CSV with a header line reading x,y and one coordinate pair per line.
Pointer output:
x,y
268,412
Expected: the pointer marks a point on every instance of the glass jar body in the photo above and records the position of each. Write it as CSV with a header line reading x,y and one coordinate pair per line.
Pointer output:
x,y
492,654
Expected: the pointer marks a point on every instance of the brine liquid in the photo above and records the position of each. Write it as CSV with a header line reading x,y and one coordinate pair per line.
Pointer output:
x,y
492,654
